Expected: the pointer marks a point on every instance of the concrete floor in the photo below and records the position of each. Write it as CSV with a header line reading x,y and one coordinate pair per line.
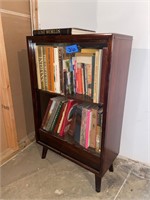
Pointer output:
x,y
27,176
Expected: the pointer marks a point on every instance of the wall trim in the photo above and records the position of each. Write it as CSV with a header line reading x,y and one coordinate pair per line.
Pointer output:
x,y
14,13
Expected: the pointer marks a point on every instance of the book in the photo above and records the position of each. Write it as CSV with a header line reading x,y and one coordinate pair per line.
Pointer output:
x,y
72,125
40,65
93,128
56,115
69,112
104,73
97,75
37,67
51,68
46,113
87,129
85,125
60,117
77,124
56,70
61,75
52,112
62,31
99,129
45,68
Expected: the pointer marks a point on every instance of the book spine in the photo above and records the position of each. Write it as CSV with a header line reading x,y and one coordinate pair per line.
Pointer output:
x,y
52,89
48,66
60,117
46,113
45,67
105,68
60,58
49,114
99,130
99,75
64,31
89,79
78,119
37,67
88,117
93,128
56,116
93,73
56,70
40,61
52,116
95,77
67,117
72,125
83,127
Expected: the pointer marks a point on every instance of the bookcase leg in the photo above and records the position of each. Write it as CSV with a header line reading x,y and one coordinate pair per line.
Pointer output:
x,y
97,183
111,169
44,152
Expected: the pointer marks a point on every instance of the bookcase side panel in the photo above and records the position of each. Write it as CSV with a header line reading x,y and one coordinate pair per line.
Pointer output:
x,y
33,79
119,62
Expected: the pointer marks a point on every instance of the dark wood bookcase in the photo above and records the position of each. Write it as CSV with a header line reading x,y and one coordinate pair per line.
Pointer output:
x,y
115,65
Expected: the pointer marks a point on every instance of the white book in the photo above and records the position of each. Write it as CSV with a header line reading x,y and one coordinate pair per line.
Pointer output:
x,y
56,70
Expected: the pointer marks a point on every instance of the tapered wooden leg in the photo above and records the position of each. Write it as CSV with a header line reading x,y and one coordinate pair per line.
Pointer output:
x,y
97,183
44,152
111,168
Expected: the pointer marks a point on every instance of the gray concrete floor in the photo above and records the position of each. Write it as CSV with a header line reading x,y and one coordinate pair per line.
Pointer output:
x,y
27,176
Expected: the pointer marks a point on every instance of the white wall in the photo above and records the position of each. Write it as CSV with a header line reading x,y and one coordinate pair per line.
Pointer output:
x,y
132,18
127,17
67,13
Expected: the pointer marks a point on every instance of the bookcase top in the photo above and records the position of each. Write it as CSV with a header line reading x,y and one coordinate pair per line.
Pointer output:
x,y
95,36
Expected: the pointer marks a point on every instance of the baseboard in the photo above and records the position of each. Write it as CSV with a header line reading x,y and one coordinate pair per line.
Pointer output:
x,y
10,153
135,161
27,140
6,155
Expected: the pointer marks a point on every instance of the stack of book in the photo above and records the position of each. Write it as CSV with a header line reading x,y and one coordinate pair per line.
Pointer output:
x,y
69,73
58,115
83,122
86,126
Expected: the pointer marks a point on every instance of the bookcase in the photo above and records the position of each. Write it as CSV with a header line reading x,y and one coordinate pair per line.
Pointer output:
x,y
110,86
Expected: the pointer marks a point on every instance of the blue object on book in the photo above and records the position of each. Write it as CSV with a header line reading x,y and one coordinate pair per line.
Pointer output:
x,y
72,49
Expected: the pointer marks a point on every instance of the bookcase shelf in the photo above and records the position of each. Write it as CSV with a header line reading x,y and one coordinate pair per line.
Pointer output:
x,y
101,89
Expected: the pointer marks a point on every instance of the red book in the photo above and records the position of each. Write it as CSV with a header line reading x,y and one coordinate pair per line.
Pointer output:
x,y
79,79
69,112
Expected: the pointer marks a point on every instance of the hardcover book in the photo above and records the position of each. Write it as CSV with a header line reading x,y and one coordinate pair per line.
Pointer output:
x,y
51,111
77,121
62,31
69,112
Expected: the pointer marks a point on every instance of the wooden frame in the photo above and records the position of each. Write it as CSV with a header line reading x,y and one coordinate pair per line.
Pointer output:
x,y
6,97
34,13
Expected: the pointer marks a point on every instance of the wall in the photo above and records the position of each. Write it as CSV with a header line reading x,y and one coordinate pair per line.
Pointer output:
x,y
67,13
16,26
128,17
132,18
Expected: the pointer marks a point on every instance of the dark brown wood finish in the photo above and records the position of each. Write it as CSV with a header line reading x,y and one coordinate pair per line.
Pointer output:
x,y
115,92
117,49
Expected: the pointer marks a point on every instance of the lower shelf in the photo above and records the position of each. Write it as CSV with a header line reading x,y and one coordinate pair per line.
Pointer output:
x,y
85,158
